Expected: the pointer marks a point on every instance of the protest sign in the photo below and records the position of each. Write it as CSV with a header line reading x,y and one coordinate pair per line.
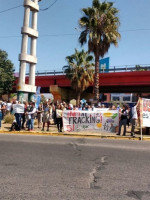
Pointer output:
x,y
107,121
100,109
58,113
18,108
145,112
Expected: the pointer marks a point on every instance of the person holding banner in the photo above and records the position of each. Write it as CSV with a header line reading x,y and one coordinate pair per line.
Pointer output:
x,y
133,119
123,120
59,123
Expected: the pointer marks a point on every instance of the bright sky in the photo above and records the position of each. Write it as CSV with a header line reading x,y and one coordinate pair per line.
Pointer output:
x,y
58,37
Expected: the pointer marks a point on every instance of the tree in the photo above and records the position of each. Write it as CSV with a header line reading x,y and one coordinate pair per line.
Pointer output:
x,y
80,71
139,68
6,73
99,26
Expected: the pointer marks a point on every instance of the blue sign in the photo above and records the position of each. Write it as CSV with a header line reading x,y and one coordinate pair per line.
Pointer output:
x,y
104,65
37,99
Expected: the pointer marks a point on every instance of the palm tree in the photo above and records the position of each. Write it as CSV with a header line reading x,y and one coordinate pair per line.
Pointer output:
x,y
80,70
99,26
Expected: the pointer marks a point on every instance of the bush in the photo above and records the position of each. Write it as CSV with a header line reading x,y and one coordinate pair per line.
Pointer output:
x,y
9,118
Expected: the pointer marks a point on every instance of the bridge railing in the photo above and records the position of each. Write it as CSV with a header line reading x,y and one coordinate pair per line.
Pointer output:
x,y
111,69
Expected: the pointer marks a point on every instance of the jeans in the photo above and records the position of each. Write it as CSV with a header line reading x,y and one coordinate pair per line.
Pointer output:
x,y
124,123
133,124
0,119
18,119
30,124
59,124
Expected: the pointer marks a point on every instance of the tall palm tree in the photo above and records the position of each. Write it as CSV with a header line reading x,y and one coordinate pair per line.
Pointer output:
x,y
80,70
99,26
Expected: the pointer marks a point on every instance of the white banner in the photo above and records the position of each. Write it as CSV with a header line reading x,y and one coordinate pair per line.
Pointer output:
x,y
107,121
146,112
18,108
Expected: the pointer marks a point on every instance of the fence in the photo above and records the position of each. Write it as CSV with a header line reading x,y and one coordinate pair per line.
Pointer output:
x,y
127,68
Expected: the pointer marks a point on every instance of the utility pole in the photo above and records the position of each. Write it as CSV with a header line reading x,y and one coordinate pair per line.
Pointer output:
x,y
28,55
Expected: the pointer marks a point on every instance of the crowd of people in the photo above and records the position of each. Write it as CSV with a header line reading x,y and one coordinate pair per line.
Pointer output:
x,y
51,113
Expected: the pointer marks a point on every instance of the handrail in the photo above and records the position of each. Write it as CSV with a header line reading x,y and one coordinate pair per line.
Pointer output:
x,y
112,69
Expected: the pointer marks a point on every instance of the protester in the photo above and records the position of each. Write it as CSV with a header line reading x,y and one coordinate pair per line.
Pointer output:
x,y
8,107
24,115
31,117
59,123
133,118
0,114
46,115
3,109
40,115
18,115
123,120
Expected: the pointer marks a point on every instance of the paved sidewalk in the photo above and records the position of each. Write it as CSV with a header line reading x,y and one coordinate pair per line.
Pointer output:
x,y
53,131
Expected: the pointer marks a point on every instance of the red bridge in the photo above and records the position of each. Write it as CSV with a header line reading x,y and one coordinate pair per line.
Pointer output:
x,y
136,81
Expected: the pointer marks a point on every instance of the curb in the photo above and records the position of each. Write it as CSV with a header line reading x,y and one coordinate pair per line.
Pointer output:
x,y
145,138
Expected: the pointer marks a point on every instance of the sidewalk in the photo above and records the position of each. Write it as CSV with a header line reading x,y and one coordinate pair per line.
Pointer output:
x,y
53,131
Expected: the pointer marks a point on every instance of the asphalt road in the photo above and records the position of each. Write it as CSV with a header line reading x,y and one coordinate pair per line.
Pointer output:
x,y
65,168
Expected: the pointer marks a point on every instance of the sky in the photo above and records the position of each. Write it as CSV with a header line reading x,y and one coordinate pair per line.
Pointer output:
x,y
59,33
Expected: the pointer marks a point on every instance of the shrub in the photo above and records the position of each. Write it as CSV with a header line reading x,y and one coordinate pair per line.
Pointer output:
x,y
9,118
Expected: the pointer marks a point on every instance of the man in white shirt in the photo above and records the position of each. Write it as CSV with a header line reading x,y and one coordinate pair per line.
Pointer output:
x,y
8,107
133,119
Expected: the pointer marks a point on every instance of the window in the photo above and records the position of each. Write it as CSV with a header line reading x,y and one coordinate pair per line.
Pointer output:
x,y
115,98
126,98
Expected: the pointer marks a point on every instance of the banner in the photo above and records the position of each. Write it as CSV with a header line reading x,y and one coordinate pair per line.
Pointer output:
x,y
107,121
18,108
143,110
146,112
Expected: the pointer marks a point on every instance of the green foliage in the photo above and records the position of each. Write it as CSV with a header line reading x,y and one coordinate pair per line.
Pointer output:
x,y
99,26
139,68
8,119
79,71
12,95
6,73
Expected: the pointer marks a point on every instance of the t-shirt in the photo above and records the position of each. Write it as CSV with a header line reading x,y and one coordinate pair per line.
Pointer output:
x,y
134,113
8,106
124,114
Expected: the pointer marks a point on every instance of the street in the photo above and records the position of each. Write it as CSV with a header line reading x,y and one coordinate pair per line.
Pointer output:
x,y
72,168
